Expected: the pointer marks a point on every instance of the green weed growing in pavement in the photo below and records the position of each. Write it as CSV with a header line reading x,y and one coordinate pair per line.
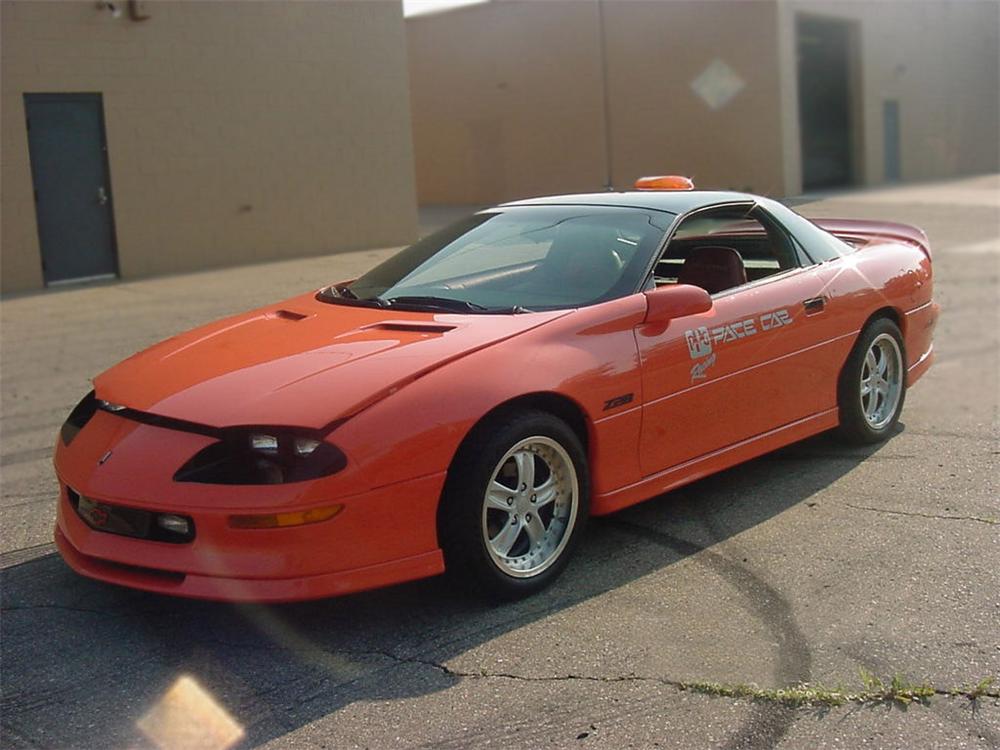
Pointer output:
x,y
979,690
795,696
898,690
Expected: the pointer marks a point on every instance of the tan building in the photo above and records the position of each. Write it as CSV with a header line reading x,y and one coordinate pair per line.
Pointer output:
x,y
514,98
170,136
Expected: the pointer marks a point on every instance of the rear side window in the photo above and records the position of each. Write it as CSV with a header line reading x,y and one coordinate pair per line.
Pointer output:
x,y
731,236
819,245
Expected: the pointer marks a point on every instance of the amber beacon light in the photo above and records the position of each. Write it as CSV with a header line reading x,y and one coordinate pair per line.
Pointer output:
x,y
664,182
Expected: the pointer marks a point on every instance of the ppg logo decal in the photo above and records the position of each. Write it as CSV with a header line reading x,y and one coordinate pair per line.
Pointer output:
x,y
699,342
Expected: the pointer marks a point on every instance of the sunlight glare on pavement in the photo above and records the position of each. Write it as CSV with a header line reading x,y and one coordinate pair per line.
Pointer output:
x,y
187,717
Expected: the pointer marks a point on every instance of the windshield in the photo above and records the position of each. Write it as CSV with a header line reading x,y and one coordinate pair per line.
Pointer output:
x,y
521,258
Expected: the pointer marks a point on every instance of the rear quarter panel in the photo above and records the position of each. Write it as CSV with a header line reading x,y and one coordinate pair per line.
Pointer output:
x,y
885,275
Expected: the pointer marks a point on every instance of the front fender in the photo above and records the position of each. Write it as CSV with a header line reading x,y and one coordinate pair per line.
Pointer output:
x,y
589,357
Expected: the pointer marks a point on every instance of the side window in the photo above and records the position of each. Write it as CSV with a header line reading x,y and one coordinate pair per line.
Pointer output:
x,y
819,245
723,248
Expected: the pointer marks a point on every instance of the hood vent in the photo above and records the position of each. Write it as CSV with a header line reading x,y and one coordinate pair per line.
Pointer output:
x,y
294,317
411,327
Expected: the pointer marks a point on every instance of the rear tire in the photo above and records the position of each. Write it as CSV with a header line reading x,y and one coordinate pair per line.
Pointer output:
x,y
872,385
515,504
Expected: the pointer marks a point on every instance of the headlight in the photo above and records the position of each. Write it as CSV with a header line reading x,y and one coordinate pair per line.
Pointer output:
x,y
262,456
77,418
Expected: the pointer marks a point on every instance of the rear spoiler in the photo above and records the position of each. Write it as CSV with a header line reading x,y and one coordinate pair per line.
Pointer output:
x,y
860,232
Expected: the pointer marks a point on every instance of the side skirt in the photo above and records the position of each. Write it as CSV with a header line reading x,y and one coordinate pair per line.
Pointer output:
x,y
711,463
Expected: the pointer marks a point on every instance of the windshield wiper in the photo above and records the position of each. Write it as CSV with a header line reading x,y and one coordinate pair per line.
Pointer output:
x,y
344,296
440,303
344,291
449,304
512,310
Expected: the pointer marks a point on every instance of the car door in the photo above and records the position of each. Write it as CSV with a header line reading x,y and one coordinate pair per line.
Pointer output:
x,y
755,362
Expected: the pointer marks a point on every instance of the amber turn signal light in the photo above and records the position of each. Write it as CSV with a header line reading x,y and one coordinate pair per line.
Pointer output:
x,y
664,182
281,520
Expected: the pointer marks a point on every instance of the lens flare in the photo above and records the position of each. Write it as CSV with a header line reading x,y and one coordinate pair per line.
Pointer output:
x,y
187,717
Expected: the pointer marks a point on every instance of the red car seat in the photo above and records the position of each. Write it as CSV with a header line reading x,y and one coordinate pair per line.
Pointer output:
x,y
713,268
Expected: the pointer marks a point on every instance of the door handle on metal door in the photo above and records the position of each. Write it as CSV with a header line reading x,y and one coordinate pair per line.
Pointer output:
x,y
102,196
814,305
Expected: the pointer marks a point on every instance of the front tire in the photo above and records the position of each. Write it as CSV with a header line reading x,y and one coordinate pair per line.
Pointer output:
x,y
872,385
515,504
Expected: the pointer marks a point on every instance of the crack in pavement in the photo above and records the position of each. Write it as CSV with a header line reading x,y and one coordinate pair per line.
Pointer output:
x,y
24,555
483,674
918,514
763,728
679,685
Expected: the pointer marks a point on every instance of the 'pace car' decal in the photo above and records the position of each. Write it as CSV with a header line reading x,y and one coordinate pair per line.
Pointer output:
x,y
700,340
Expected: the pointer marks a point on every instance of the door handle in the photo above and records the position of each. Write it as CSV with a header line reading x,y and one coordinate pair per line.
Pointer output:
x,y
814,305
102,196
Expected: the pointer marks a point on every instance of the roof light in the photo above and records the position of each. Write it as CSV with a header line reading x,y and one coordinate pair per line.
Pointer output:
x,y
664,182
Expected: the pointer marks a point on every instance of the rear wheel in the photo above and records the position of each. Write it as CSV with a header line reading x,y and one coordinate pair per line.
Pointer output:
x,y
873,384
514,506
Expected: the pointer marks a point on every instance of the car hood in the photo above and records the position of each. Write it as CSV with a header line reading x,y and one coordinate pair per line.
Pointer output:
x,y
302,362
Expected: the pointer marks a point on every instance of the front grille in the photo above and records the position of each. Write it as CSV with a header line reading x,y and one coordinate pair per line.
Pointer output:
x,y
125,521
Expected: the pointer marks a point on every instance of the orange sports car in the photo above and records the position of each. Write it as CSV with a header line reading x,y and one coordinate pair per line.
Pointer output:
x,y
467,404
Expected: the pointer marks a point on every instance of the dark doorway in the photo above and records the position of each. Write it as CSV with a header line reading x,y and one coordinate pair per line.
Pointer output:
x,y
890,140
69,168
825,121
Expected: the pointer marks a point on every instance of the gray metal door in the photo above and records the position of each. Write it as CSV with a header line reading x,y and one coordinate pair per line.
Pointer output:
x,y
69,168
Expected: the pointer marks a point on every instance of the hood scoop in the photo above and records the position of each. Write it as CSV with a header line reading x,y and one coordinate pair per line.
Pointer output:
x,y
289,315
415,326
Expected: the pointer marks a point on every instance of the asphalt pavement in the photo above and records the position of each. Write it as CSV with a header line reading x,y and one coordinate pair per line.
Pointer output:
x,y
804,566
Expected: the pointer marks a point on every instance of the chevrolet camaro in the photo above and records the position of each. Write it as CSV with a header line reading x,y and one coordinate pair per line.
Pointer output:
x,y
466,405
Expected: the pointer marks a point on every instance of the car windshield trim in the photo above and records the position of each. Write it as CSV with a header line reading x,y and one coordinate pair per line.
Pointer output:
x,y
518,258
334,296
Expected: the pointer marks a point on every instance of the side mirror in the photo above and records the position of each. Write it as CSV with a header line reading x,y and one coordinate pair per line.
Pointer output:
x,y
675,301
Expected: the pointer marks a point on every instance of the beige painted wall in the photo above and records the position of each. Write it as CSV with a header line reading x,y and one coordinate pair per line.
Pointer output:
x,y
939,58
297,110
661,125
508,97
507,101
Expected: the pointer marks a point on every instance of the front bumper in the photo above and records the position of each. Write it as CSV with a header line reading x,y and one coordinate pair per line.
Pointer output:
x,y
365,546
382,536
260,590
